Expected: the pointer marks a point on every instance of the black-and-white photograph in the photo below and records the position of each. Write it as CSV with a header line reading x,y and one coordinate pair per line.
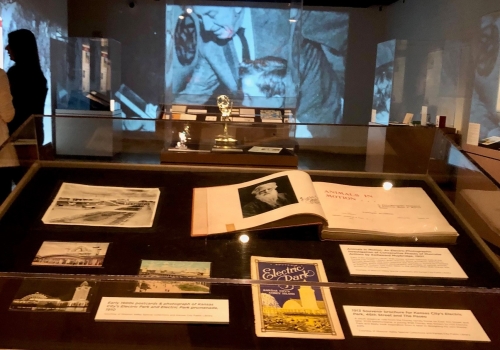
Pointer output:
x,y
266,196
485,105
54,295
226,50
71,254
77,204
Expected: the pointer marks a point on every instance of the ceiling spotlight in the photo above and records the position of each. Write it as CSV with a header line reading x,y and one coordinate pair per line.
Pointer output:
x,y
387,185
181,17
189,10
244,238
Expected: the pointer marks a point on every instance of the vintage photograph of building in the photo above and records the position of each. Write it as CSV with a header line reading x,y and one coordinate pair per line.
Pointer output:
x,y
173,269
71,254
54,295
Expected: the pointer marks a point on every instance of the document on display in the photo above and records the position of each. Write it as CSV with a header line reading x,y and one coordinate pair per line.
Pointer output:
x,y
163,310
401,261
414,323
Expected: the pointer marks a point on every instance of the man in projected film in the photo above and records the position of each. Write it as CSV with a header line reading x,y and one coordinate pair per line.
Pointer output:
x,y
232,36
485,107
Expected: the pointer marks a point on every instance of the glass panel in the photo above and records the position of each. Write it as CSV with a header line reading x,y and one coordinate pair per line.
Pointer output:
x,y
60,312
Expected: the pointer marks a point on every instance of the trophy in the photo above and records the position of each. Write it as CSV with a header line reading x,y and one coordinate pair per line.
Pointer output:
x,y
184,137
225,141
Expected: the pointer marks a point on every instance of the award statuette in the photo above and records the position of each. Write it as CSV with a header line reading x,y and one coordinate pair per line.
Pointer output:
x,y
184,137
225,141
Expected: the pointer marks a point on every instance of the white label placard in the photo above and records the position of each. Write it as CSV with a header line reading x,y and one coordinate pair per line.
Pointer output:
x,y
423,117
473,134
257,149
185,116
401,261
414,323
197,111
178,109
163,310
247,111
373,118
211,118
408,118
244,120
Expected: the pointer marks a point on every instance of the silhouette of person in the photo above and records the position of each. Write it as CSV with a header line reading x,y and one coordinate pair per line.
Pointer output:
x,y
27,82
8,158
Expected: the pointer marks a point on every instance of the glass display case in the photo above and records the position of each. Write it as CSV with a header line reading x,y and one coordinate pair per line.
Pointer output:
x,y
82,280
89,77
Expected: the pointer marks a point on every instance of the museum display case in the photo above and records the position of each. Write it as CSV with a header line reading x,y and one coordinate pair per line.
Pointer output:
x,y
113,265
88,76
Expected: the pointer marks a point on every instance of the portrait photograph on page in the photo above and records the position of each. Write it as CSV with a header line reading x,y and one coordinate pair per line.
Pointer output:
x,y
266,196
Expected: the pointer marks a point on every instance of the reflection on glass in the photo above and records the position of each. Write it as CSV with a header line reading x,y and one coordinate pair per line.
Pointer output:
x,y
382,89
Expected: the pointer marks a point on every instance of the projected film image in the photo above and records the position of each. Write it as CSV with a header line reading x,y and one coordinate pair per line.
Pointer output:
x,y
45,23
382,89
485,108
260,57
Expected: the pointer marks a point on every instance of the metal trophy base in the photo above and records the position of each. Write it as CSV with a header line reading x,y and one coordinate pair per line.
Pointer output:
x,y
225,142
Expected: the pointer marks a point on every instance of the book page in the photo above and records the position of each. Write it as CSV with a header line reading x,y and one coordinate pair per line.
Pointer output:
x,y
264,200
404,210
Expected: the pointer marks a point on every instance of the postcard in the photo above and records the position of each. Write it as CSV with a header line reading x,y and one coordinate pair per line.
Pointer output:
x,y
173,269
54,295
293,311
77,204
71,254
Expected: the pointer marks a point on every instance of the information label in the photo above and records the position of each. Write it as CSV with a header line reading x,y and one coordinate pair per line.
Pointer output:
x,y
247,111
395,322
473,134
258,149
401,261
163,310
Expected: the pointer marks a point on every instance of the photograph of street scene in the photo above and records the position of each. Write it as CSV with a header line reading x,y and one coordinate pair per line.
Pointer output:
x,y
77,204
173,269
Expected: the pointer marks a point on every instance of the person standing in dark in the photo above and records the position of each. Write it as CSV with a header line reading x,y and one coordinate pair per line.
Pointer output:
x,y
28,85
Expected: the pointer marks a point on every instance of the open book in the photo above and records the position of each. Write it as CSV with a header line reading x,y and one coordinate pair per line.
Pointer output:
x,y
290,198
